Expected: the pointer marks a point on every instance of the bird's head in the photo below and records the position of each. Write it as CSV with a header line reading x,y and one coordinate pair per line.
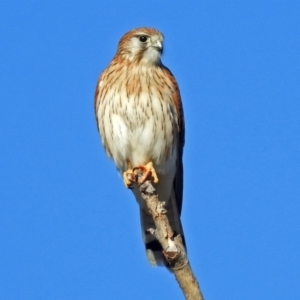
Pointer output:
x,y
142,45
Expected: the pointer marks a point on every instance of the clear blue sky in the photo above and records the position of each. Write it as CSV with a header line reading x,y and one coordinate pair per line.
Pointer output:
x,y
68,227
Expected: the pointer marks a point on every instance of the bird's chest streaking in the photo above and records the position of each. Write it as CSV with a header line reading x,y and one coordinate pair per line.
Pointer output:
x,y
138,120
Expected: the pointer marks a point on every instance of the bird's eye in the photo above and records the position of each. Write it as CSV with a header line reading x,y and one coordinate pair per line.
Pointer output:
x,y
143,38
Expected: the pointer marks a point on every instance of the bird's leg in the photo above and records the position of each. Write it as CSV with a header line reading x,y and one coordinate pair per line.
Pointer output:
x,y
129,177
148,170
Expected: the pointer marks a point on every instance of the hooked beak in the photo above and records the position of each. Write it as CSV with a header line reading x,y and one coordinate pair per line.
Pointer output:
x,y
158,45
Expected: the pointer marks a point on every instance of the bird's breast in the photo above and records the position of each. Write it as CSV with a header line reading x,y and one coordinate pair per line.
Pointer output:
x,y
139,125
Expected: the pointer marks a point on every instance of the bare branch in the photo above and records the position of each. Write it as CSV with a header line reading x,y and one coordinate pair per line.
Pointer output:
x,y
174,250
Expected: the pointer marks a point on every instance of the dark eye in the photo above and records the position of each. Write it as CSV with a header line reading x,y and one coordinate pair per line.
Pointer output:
x,y
143,38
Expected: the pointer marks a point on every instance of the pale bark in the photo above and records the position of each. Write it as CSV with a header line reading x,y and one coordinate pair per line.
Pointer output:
x,y
174,251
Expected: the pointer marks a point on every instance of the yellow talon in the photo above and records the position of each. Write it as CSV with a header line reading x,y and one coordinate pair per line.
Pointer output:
x,y
129,177
147,171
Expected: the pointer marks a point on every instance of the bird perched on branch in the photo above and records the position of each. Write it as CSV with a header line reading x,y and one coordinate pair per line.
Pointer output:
x,y
140,119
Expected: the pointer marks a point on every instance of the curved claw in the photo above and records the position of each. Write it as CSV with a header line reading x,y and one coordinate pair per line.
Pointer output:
x,y
129,178
148,170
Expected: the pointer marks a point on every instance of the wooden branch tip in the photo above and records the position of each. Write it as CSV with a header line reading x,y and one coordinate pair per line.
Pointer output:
x,y
173,248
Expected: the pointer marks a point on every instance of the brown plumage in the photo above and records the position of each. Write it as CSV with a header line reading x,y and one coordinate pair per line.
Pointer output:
x,y
140,119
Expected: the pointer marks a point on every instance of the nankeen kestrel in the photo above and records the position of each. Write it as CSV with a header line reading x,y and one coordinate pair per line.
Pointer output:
x,y
140,119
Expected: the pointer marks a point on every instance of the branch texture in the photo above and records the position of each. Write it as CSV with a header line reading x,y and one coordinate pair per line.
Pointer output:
x,y
174,250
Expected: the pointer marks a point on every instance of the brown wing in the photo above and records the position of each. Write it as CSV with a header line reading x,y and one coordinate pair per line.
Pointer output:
x,y
97,99
178,181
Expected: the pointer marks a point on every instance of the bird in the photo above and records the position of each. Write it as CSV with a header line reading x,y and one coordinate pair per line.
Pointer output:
x,y
140,119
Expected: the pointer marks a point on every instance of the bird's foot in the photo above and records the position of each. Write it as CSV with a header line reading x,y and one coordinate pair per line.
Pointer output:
x,y
129,178
148,173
